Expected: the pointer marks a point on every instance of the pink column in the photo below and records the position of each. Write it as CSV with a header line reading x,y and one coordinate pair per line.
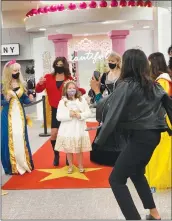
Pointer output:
x,y
118,40
60,42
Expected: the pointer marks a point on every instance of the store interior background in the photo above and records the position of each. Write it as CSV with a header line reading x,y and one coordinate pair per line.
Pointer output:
x,y
36,50
148,35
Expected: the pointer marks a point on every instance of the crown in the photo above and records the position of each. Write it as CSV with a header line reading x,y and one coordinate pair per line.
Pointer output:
x,y
69,81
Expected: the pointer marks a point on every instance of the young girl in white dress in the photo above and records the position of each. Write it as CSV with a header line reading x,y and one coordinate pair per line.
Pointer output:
x,y
72,138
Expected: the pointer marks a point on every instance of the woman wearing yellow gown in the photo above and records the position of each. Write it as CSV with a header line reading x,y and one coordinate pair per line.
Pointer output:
x,y
158,171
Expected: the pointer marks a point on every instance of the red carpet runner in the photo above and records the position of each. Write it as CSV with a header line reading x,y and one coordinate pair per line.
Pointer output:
x,y
46,176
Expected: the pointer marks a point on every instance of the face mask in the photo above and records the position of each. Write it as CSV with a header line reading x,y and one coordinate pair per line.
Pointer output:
x,y
15,76
59,70
112,66
71,92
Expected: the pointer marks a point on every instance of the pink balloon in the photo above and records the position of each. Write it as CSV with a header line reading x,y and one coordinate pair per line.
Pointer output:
x,y
60,7
46,9
140,3
148,3
29,13
83,5
131,3
123,3
93,4
53,8
72,6
103,4
40,10
34,11
114,3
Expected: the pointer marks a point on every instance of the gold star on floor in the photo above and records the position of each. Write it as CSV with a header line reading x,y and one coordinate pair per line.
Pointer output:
x,y
62,172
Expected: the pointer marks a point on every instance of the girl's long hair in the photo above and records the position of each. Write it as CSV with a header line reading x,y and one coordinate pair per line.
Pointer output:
x,y
158,65
65,87
7,78
135,65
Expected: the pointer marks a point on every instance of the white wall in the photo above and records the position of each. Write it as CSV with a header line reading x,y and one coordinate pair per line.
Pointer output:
x,y
25,39
142,39
86,69
164,31
13,19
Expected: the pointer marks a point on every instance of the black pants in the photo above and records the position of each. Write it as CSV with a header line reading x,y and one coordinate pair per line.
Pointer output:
x,y
131,164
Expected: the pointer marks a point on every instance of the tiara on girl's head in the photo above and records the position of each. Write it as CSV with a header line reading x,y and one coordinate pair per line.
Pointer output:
x,y
75,78
10,63
69,81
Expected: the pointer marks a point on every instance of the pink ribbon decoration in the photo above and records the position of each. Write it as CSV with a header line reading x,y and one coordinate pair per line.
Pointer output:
x,y
10,63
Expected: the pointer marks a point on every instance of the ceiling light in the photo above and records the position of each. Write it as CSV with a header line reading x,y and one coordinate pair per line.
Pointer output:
x,y
146,26
49,2
42,29
113,22
107,22
57,2
127,27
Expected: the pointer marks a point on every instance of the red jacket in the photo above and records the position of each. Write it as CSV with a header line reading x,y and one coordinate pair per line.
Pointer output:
x,y
82,90
54,93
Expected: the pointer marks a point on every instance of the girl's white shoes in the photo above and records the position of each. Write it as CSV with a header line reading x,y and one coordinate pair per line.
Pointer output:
x,y
81,170
70,170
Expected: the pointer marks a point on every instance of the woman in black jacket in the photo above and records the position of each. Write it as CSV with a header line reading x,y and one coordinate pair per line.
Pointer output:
x,y
136,108
100,89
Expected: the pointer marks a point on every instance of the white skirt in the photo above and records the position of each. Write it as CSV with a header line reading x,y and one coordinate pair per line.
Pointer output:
x,y
72,137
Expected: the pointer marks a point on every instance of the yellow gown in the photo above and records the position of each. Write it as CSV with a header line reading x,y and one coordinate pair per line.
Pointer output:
x,y
48,112
158,171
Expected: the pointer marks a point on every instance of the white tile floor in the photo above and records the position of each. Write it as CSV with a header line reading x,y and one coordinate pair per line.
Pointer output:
x,y
70,203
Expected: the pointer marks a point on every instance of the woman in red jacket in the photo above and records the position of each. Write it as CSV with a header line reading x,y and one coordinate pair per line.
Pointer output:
x,y
53,83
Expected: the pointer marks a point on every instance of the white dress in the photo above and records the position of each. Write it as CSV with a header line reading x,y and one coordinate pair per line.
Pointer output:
x,y
72,137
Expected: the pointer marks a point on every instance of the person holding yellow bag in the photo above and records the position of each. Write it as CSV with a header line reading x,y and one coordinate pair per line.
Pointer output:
x,y
158,171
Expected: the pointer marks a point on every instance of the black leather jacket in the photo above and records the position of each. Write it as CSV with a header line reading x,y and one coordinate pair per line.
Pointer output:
x,y
128,109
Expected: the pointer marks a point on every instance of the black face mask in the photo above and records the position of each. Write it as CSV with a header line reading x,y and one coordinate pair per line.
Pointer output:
x,y
59,70
15,76
112,66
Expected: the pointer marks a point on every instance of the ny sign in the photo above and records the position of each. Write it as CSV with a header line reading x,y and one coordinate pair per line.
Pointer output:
x,y
10,49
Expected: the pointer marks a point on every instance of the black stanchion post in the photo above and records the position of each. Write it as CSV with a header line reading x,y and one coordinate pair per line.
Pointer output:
x,y
45,134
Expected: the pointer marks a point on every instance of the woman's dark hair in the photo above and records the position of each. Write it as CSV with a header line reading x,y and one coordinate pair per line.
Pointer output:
x,y
158,65
170,49
135,65
65,64
170,61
